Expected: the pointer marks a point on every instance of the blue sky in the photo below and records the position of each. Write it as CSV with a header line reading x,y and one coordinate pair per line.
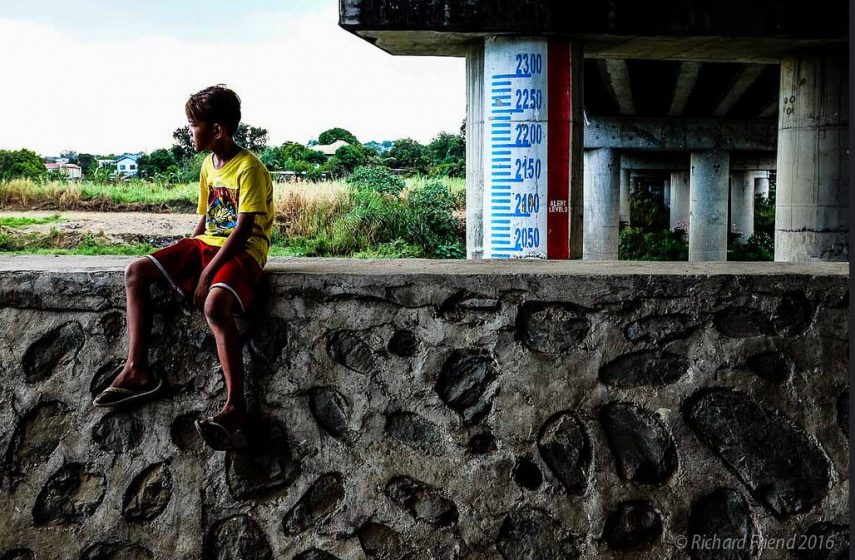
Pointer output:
x,y
109,77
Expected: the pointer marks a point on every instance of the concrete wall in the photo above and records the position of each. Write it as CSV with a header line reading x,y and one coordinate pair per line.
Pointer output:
x,y
415,409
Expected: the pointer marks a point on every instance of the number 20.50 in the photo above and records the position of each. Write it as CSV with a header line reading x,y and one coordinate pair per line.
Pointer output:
x,y
525,238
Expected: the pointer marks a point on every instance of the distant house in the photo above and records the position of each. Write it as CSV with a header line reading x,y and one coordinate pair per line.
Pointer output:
x,y
126,165
70,170
329,149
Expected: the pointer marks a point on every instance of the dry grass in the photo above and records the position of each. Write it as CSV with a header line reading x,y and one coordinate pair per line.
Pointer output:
x,y
302,209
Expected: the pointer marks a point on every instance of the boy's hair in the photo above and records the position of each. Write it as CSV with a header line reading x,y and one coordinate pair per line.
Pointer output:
x,y
215,104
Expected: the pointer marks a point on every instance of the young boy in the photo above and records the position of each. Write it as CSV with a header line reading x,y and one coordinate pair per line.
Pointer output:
x,y
217,269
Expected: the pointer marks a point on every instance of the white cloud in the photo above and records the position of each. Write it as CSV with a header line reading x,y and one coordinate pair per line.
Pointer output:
x,y
103,96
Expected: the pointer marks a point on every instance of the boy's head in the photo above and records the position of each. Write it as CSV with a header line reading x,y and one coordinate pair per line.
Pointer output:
x,y
213,113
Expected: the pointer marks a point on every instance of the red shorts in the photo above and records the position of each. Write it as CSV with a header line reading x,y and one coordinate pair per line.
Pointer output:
x,y
182,264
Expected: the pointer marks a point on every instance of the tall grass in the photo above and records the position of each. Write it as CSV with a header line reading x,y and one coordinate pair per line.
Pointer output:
x,y
67,195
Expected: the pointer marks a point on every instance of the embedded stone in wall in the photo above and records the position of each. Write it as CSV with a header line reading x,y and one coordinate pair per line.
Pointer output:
x,y
57,349
529,533
104,376
403,343
742,322
825,541
238,536
565,447
775,459
183,432
423,501
37,436
315,554
467,307
633,526
112,324
380,541
116,551
551,328
18,554
267,343
772,366
527,474
641,444
413,430
462,382
148,494
659,329
351,351
266,465
482,443
843,412
118,432
721,514
643,368
70,495
331,410
319,501
793,315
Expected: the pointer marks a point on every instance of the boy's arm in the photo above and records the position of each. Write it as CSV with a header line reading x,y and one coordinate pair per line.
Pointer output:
x,y
235,243
200,227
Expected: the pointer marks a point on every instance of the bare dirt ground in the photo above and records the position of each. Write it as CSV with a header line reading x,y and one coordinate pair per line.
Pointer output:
x,y
119,226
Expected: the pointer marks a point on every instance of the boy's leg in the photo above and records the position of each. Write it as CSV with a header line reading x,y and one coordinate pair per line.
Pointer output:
x,y
139,275
220,307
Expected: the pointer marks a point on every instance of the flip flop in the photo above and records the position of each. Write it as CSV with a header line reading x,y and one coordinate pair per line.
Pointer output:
x,y
113,397
218,437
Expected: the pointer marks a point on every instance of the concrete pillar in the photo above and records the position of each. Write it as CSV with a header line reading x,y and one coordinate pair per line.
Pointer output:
x,y
679,204
532,148
624,196
666,194
708,178
474,150
761,183
633,182
602,205
812,191
742,205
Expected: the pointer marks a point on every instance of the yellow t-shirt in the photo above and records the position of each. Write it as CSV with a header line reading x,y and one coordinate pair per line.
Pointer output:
x,y
241,185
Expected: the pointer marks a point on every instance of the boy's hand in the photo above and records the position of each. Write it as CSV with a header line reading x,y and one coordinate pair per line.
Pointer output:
x,y
201,293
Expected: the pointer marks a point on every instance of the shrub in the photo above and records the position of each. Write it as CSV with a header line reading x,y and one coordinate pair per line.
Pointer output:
x,y
664,245
430,222
376,179
648,212
759,247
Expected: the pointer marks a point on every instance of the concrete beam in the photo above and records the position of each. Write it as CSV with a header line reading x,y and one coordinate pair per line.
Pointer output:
x,y
694,30
680,134
687,76
746,77
616,78
739,161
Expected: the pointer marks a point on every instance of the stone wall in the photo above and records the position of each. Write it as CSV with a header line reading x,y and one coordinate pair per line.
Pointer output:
x,y
419,410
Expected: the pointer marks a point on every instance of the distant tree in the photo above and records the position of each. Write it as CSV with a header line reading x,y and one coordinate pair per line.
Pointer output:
x,y
329,136
159,162
182,149
350,157
447,154
88,164
252,138
21,163
407,153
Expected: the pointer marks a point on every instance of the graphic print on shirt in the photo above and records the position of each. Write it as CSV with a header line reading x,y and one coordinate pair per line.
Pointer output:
x,y
221,217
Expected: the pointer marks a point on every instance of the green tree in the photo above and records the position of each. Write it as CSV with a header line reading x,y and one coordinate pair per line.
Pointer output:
x,y
182,149
407,153
88,164
350,157
21,163
253,138
447,153
333,134
159,162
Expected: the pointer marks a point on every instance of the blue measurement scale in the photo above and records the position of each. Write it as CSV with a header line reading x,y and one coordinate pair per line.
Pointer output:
x,y
515,156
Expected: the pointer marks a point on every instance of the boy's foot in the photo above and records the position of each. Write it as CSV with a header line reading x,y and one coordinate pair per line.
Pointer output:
x,y
128,387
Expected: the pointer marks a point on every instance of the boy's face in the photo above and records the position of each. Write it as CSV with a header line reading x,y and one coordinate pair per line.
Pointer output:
x,y
203,135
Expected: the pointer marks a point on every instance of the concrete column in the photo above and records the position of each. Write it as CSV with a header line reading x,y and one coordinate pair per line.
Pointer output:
x,y
666,194
474,151
624,196
761,183
812,193
577,140
742,205
602,204
708,176
679,203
